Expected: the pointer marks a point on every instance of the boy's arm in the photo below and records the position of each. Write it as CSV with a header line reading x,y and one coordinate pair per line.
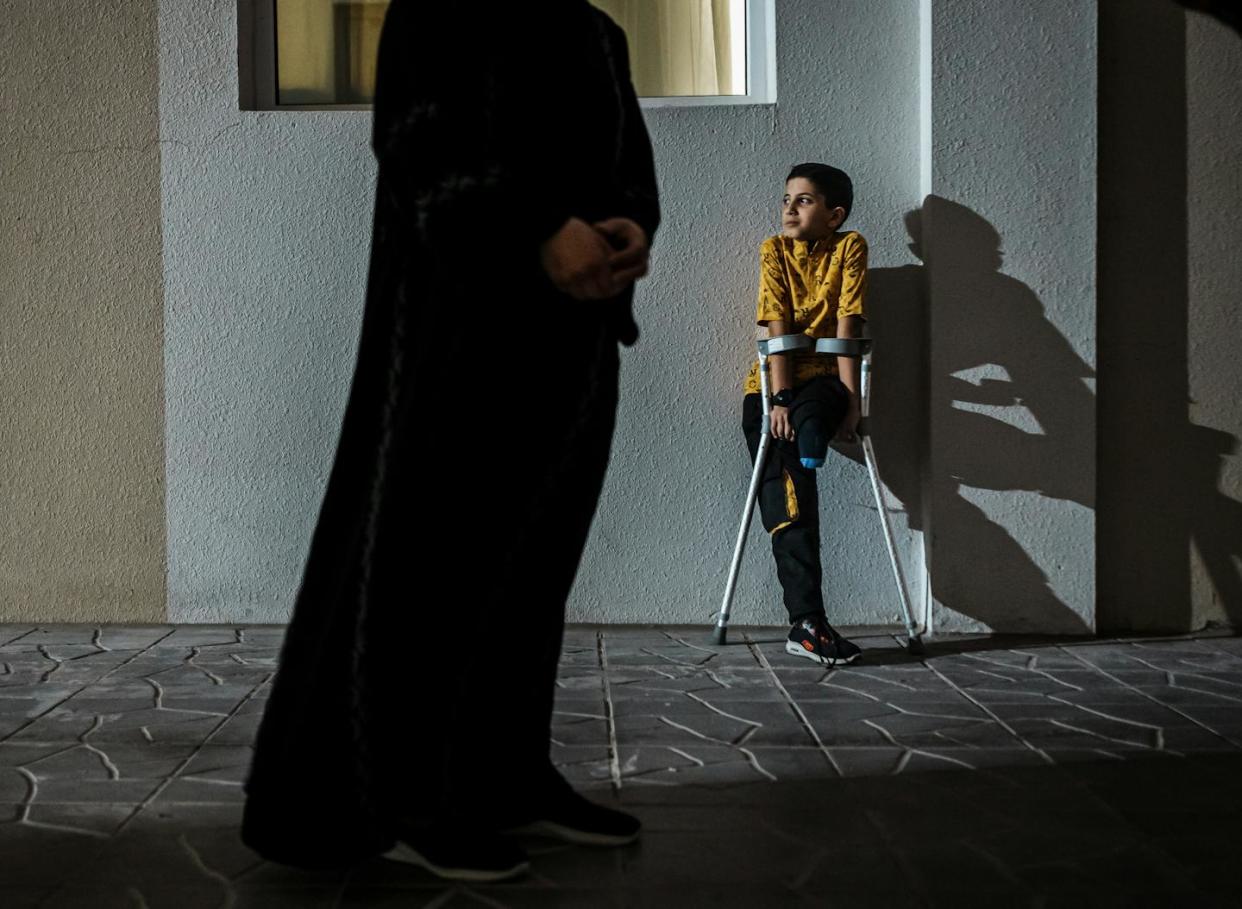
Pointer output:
x,y
850,319
848,367
780,362
775,311
849,370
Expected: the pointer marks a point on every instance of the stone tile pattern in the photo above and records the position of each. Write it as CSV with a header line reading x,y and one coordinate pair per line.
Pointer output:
x,y
1062,769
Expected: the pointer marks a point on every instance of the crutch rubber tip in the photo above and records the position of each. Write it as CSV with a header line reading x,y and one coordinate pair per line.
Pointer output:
x,y
914,646
719,635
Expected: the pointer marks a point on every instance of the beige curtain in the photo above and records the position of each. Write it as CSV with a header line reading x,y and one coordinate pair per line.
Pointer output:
x,y
304,51
326,50
681,47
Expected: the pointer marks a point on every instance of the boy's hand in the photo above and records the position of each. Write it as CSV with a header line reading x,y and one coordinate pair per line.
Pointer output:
x,y
848,430
630,249
577,259
781,427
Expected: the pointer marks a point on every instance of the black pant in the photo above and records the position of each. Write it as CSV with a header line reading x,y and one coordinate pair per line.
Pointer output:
x,y
482,528
553,488
508,506
788,498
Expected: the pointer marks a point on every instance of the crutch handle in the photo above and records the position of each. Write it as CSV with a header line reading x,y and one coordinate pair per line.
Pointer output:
x,y
785,344
843,347
834,347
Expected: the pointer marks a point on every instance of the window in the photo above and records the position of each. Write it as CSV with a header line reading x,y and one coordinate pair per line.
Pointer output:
x,y
325,50
320,54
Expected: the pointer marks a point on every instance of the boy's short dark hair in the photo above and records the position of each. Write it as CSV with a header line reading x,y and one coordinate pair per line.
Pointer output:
x,y
833,184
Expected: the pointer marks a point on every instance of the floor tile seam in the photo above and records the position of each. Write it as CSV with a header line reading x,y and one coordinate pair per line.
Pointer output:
x,y
32,720
20,636
687,644
914,878
1225,653
1170,707
614,762
797,710
341,888
1114,740
185,762
1216,694
213,874
1142,840
908,751
1102,714
1004,725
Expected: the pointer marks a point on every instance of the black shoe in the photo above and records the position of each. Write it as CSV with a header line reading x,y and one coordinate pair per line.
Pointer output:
x,y
563,814
460,855
816,640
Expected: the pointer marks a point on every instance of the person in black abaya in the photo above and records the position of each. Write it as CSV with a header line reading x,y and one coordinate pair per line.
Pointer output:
x,y
515,204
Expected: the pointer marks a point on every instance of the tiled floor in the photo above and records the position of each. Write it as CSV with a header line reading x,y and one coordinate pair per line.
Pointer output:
x,y
989,772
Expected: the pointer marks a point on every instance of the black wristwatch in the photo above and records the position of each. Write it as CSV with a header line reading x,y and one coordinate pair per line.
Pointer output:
x,y
782,398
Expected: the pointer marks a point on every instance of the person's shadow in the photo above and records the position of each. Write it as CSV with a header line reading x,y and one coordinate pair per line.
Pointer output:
x,y
1006,400
1212,520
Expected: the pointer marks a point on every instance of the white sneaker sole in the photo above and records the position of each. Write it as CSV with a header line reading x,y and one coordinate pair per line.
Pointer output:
x,y
403,852
795,649
570,835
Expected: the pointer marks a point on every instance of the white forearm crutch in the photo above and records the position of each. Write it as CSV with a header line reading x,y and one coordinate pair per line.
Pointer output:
x,y
859,348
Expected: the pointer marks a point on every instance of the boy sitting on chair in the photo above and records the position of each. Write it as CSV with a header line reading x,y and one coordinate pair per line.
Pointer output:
x,y
812,279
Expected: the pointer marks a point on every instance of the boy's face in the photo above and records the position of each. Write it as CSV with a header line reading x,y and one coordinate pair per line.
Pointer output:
x,y
805,214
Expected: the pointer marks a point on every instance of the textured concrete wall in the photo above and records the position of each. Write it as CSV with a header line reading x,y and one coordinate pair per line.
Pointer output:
x,y
847,94
81,408
266,219
1009,231
1214,270
266,234
1170,190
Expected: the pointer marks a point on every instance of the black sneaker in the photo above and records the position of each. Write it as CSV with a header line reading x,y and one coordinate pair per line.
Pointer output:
x,y
573,818
460,855
816,640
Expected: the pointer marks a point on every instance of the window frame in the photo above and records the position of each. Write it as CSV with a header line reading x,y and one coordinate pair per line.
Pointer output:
x,y
256,58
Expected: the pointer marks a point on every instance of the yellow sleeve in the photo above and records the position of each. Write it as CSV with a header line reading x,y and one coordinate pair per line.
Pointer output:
x,y
774,299
853,277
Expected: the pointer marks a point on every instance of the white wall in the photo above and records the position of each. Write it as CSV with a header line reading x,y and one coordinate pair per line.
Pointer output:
x,y
258,293
1010,229
266,234
847,94
1214,291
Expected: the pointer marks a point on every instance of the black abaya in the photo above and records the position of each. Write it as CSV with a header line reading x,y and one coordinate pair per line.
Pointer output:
x,y
417,673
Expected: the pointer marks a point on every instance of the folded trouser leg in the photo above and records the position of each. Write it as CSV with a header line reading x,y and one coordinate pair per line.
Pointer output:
x,y
789,509
796,550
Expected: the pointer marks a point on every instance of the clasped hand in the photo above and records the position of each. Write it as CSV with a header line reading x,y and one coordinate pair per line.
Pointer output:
x,y
782,425
595,261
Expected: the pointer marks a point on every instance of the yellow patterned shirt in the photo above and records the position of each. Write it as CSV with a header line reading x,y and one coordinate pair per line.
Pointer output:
x,y
810,285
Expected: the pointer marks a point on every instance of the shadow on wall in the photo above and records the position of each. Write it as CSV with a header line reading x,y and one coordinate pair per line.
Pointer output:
x,y
1212,518
1006,407
1160,475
